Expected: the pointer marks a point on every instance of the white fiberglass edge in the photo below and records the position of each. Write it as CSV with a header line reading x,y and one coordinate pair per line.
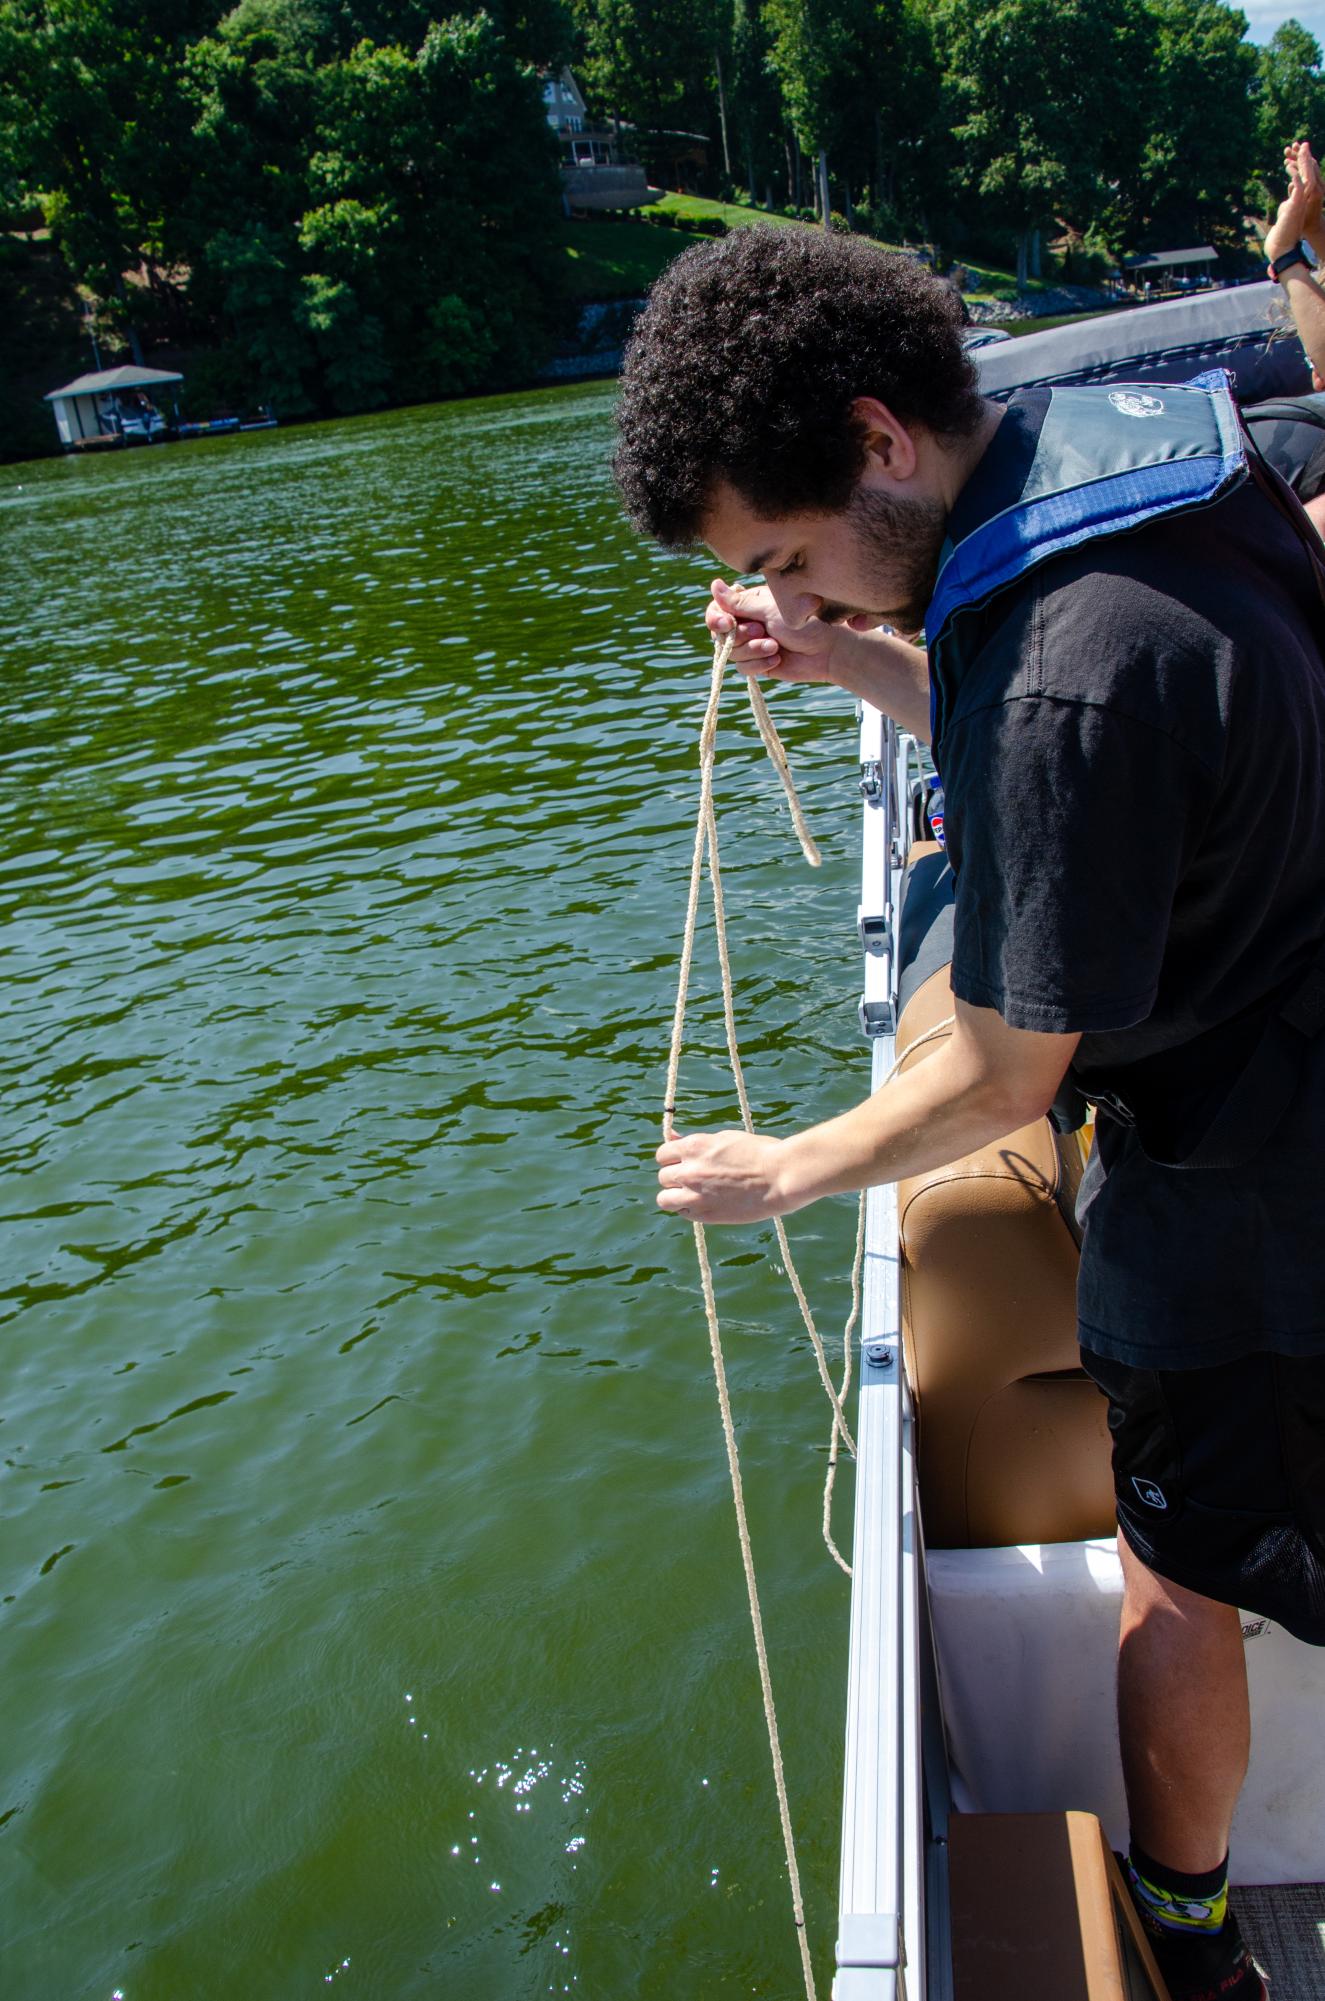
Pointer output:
x,y
881,1933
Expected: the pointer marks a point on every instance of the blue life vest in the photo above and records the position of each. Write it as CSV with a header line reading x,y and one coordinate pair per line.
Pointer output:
x,y
1107,461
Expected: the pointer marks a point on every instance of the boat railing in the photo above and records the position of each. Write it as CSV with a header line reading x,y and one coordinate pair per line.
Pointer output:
x,y
893,1939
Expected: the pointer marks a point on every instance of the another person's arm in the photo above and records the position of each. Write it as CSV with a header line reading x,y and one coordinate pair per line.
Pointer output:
x,y
1299,218
1299,160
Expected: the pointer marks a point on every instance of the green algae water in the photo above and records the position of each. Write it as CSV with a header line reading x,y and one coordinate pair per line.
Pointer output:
x,y
372,1611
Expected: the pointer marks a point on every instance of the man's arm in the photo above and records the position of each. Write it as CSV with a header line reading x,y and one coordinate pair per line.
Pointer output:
x,y
985,1081
875,665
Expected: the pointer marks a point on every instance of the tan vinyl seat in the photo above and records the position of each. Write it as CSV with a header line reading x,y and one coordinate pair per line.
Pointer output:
x,y
1013,1439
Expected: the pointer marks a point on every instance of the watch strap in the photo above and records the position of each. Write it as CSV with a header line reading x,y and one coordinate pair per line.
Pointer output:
x,y
1290,257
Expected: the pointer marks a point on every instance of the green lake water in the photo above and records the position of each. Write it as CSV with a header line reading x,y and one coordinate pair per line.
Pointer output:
x,y
372,1611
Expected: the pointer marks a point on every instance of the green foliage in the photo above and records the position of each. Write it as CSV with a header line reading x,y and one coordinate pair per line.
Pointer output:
x,y
754,107
41,344
1200,121
1290,100
651,62
811,52
352,202
361,218
1027,78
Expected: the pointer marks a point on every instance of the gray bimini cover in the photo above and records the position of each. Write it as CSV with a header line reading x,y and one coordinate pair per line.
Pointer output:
x,y
1245,329
1290,432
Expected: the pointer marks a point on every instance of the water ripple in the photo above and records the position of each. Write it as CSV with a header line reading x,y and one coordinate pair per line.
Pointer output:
x,y
348,783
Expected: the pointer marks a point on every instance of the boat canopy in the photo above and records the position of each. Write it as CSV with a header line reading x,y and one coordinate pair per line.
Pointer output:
x,y
109,379
1169,260
1245,329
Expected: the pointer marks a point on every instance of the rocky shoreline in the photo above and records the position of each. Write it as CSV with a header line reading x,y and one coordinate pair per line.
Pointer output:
x,y
1040,305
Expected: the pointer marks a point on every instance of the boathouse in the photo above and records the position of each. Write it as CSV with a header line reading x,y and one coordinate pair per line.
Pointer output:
x,y
1169,267
92,406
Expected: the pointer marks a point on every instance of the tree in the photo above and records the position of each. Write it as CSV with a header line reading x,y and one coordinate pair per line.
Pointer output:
x,y
90,100
755,108
1188,181
1029,78
648,63
818,52
1290,99
377,224
897,135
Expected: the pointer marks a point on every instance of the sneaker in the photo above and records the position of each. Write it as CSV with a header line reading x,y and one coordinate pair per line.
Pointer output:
x,y
1209,1966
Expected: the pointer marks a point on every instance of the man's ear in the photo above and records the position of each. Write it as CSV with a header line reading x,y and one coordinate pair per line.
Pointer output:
x,y
886,439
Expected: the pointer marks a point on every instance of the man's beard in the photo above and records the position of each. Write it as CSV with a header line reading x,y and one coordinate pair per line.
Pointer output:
x,y
900,540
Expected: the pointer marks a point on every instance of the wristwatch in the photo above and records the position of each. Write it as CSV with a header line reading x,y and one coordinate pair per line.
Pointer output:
x,y
1290,257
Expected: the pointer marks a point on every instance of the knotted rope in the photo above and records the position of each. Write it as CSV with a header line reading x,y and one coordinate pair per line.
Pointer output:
x,y
706,842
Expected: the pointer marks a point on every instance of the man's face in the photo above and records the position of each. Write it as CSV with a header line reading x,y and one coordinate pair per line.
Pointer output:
x,y
873,562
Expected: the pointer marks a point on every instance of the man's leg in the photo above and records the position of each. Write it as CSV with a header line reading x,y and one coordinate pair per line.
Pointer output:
x,y
1185,1731
1183,1719
1200,1472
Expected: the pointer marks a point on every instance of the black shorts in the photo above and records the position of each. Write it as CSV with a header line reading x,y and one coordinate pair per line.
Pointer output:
x,y
1219,1475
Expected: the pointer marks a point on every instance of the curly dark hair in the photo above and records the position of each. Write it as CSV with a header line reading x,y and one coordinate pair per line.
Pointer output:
x,y
746,361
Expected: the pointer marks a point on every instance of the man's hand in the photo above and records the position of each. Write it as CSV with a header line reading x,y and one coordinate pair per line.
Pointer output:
x,y
765,644
725,1177
865,659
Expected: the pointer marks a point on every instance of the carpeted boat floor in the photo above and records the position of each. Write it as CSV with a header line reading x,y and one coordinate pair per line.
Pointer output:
x,y
1285,1927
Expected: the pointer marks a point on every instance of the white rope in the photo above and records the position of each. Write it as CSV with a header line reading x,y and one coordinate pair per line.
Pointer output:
x,y
706,843
778,757
857,1270
840,1425
706,838
830,1478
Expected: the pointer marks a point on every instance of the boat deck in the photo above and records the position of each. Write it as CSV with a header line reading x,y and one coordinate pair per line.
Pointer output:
x,y
1285,1928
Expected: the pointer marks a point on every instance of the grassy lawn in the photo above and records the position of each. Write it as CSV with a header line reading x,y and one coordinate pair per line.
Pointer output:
x,y
732,213
988,282
618,258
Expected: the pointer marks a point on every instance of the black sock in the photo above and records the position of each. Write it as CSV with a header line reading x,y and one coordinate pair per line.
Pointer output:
x,y
1181,1904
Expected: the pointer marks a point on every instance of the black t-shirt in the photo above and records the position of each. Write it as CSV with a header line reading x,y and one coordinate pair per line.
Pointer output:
x,y
1133,757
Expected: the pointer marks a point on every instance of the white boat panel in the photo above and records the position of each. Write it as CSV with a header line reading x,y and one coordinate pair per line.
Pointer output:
x,y
1026,1643
881,1922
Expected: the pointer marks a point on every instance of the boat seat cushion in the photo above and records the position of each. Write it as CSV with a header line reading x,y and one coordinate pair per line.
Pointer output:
x,y
925,929
1013,1436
